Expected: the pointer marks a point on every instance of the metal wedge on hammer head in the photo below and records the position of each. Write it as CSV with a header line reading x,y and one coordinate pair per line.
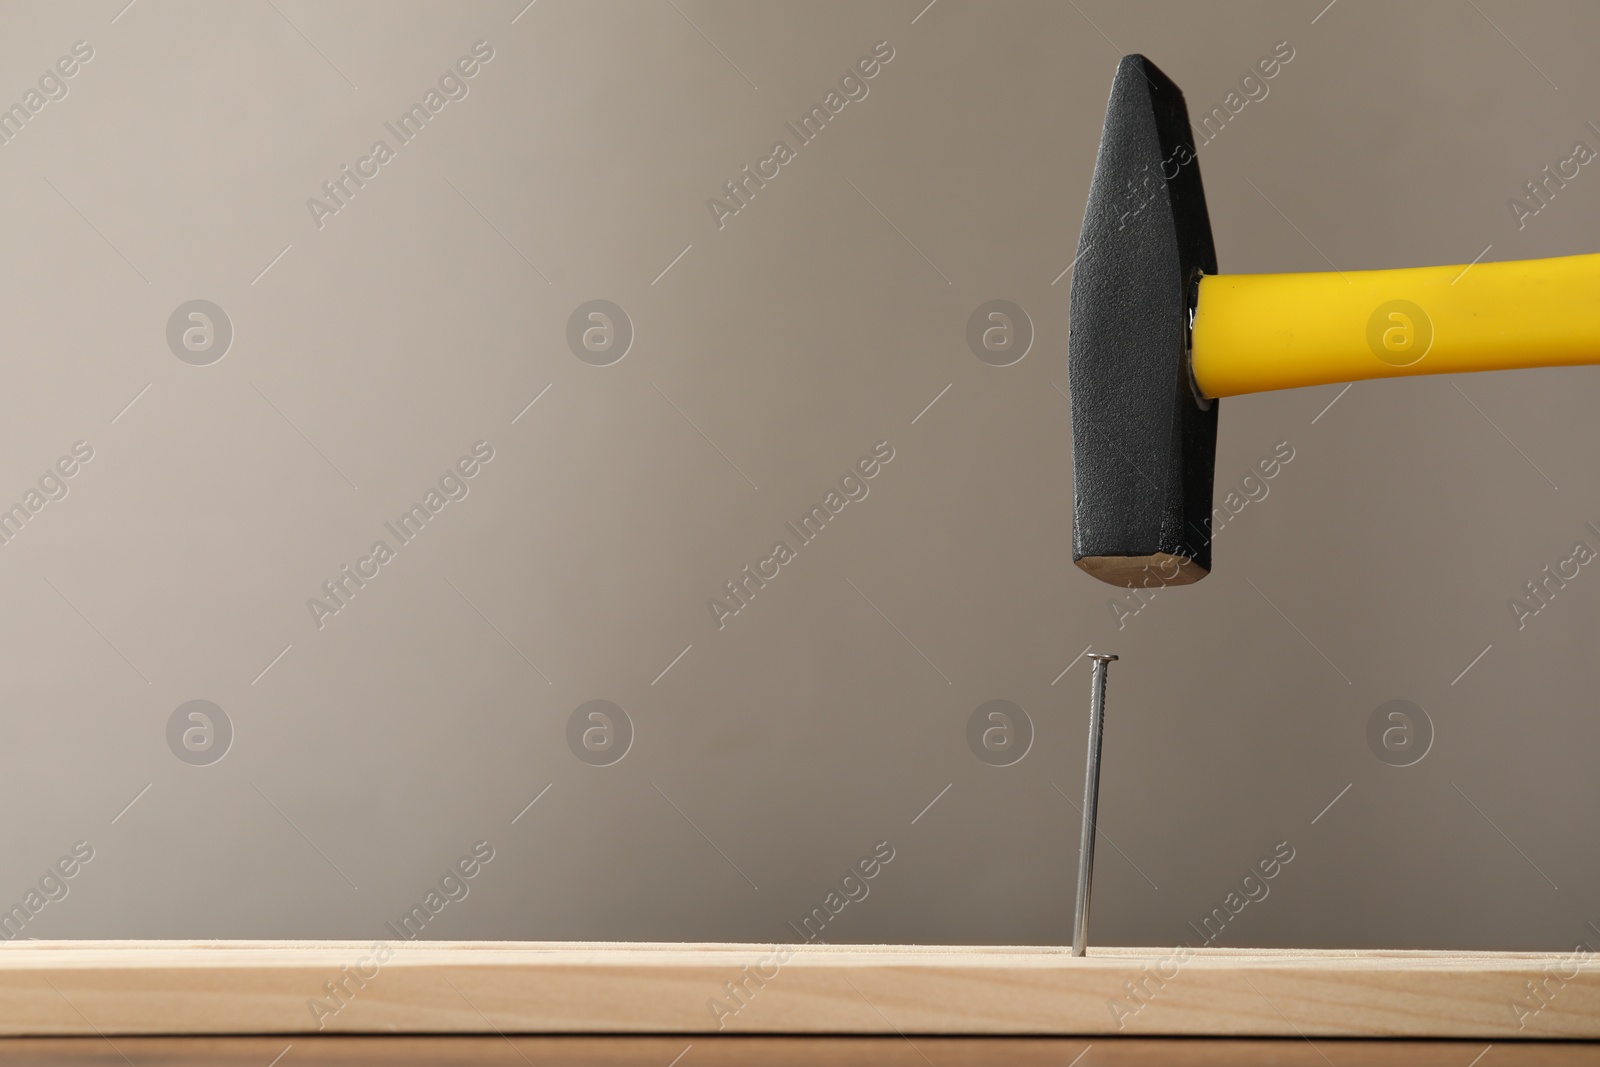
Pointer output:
x,y
1143,440
1156,336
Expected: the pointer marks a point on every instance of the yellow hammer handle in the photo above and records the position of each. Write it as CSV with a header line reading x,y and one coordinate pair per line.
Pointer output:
x,y
1258,332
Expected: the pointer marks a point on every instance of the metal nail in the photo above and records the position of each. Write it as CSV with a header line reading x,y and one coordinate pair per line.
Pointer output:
x,y
1091,801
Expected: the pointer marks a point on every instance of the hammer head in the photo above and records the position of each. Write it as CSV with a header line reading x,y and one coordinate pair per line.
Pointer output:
x,y
1143,440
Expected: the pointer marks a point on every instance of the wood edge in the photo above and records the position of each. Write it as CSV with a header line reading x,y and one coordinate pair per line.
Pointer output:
x,y
146,987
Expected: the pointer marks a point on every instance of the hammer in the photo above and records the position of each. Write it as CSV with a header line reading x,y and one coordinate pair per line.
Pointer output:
x,y
1157,336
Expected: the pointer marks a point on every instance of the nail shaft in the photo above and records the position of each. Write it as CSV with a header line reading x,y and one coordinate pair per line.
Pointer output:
x,y
1091,802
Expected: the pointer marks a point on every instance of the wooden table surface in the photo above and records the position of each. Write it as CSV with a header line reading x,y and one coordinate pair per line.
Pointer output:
x,y
779,1052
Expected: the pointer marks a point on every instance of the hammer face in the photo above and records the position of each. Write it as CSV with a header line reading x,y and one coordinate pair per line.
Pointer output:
x,y
1143,443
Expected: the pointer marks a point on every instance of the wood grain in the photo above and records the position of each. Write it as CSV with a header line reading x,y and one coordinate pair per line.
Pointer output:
x,y
773,1051
165,987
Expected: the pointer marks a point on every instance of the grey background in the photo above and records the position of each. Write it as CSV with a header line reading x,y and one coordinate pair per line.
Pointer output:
x,y
820,320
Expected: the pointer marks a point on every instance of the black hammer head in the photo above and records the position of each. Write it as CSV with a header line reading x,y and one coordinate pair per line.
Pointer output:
x,y
1143,441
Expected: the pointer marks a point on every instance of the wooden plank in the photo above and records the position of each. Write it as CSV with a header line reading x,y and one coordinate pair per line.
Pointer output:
x,y
274,987
697,1050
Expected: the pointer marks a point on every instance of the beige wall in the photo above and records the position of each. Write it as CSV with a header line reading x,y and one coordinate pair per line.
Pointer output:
x,y
766,360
